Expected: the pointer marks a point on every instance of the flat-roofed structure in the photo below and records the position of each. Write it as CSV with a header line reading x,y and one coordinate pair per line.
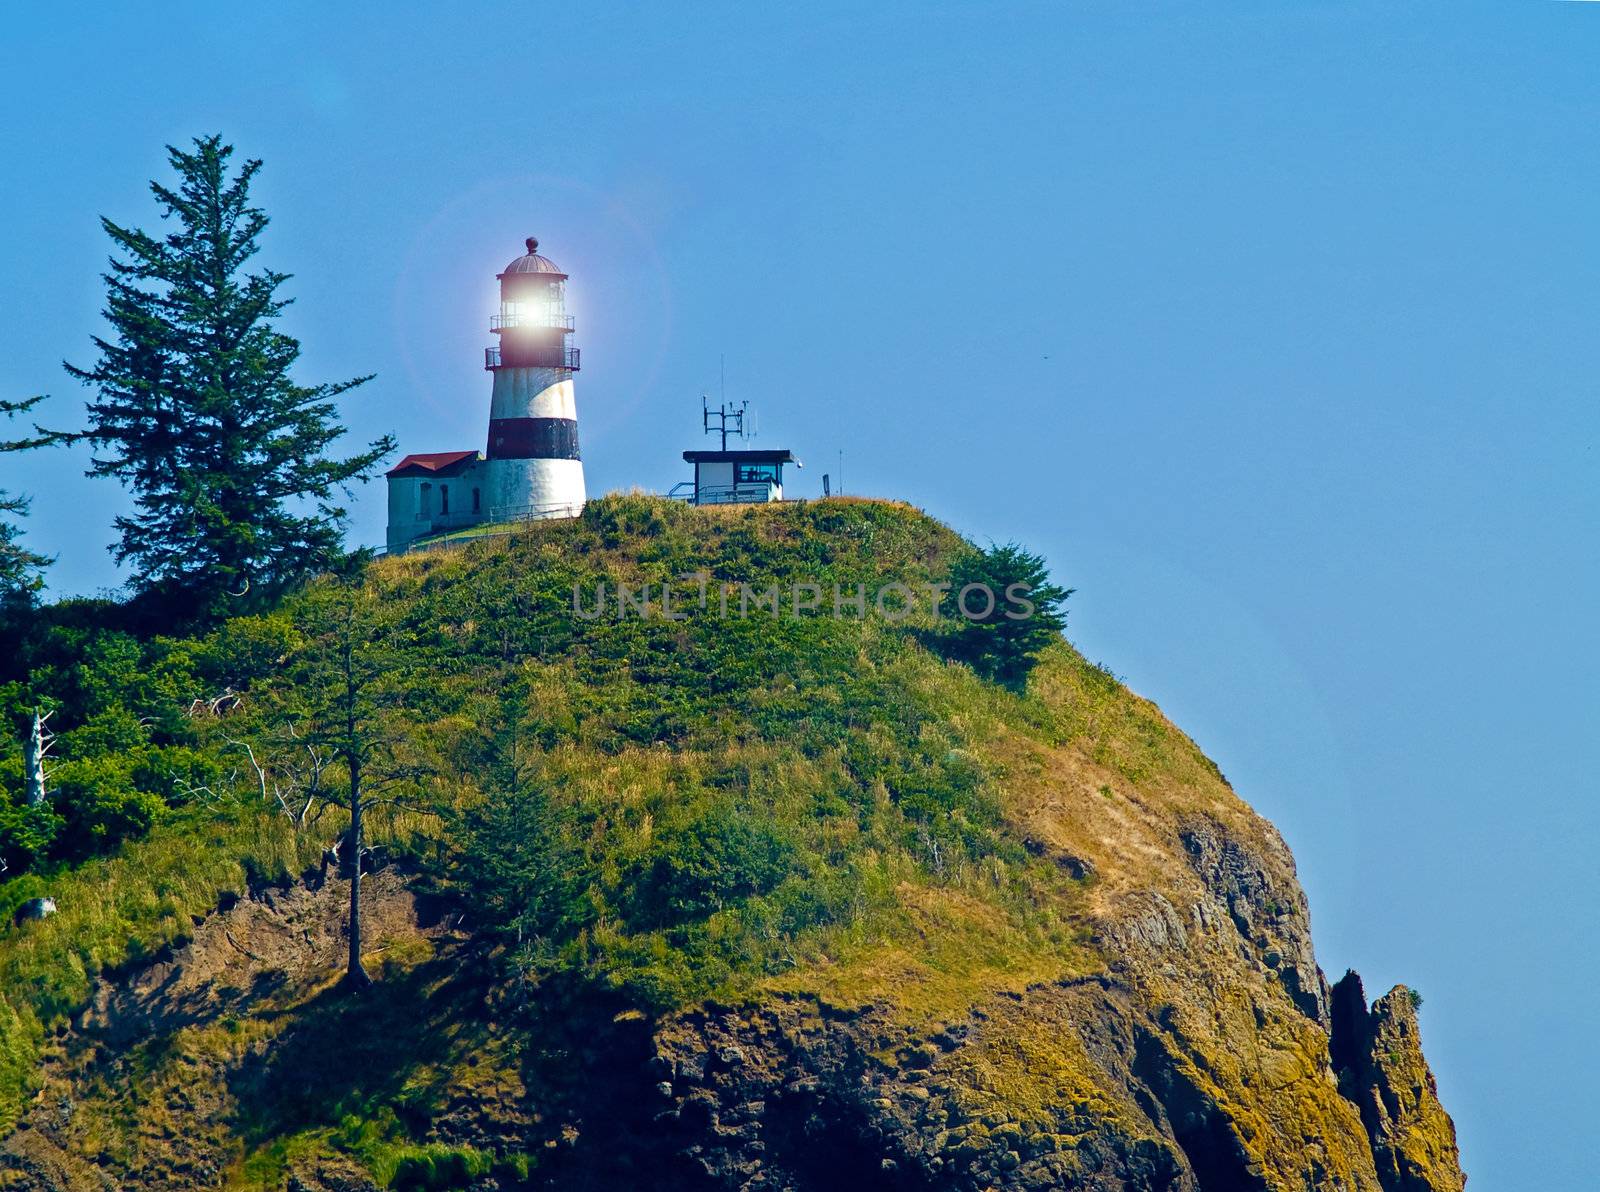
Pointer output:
x,y
737,477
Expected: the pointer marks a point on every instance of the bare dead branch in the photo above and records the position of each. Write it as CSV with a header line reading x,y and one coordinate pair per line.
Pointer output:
x,y
219,705
369,804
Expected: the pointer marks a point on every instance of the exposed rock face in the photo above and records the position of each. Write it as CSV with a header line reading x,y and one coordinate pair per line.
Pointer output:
x,y
791,1100
163,1049
1208,1056
1378,1054
1266,907
1202,1060
34,908
1158,1023
1199,1063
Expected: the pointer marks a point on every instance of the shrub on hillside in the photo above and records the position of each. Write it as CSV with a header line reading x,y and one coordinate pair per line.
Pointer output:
x,y
26,833
715,860
1012,615
522,869
100,805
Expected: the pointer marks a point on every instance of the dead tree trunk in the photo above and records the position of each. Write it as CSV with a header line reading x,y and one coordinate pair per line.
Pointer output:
x,y
355,975
35,748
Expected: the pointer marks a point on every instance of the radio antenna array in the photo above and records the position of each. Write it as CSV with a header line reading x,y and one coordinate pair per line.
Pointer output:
x,y
725,420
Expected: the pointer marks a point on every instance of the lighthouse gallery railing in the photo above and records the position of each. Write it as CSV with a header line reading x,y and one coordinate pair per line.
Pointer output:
x,y
569,359
530,319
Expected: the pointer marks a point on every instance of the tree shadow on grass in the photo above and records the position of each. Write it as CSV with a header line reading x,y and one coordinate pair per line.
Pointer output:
x,y
346,1053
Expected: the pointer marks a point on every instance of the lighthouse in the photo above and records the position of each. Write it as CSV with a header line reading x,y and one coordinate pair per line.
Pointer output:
x,y
531,468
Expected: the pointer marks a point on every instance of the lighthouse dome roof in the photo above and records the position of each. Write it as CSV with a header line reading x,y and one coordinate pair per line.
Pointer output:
x,y
532,262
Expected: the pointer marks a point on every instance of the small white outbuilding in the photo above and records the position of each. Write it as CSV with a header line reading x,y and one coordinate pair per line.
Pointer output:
x,y
738,477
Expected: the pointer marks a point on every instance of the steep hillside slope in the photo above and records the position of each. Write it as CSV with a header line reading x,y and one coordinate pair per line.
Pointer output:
x,y
703,901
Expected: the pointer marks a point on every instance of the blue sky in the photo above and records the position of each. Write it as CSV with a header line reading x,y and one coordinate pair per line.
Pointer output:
x,y
1273,326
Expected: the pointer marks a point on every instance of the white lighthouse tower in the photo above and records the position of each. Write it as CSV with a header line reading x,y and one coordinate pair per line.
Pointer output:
x,y
533,468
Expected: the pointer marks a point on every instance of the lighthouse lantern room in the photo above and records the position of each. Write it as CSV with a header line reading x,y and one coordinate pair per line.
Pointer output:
x,y
532,468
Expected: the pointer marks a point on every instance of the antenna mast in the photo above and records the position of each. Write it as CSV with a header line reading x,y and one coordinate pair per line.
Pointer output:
x,y
729,419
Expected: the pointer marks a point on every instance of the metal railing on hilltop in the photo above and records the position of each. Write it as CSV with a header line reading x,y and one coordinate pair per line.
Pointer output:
x,y
521,518
507,522
751,492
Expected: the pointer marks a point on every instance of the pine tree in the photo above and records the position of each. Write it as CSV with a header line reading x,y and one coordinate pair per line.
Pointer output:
x,y
20,569
196,412
350,683
1013,614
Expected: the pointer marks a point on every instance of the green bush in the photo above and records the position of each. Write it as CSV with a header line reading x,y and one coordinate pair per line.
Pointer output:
x,y
521,868
1012,625
100,806
27,834
712,862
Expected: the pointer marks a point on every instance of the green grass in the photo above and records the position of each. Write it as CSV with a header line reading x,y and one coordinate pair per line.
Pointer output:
x,y
118,911
743,806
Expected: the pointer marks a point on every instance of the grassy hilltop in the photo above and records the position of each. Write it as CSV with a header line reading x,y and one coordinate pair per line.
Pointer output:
x,y
720,901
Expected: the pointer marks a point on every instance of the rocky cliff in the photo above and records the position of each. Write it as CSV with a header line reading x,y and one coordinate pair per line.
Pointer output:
x,y
1114,989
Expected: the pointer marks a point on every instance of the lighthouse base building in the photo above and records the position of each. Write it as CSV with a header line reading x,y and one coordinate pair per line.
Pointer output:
x,y
532,468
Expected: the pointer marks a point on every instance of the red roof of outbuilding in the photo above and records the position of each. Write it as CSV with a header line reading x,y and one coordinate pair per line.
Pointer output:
x,y
433,463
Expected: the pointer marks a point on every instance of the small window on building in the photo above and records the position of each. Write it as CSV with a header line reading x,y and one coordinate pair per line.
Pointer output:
x,y
477,501
425,500
444,498
755,473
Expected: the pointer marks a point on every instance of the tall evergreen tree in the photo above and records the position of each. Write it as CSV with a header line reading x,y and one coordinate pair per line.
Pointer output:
x,y
21,570
196,412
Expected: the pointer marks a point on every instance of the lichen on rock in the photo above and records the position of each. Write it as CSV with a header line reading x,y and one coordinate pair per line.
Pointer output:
x,y
1010,941
1378,1054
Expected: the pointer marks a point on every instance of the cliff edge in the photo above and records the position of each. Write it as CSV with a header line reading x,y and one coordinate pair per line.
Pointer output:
x,y
972,938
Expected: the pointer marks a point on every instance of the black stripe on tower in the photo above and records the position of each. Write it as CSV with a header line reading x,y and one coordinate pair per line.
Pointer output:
x,y
533,438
